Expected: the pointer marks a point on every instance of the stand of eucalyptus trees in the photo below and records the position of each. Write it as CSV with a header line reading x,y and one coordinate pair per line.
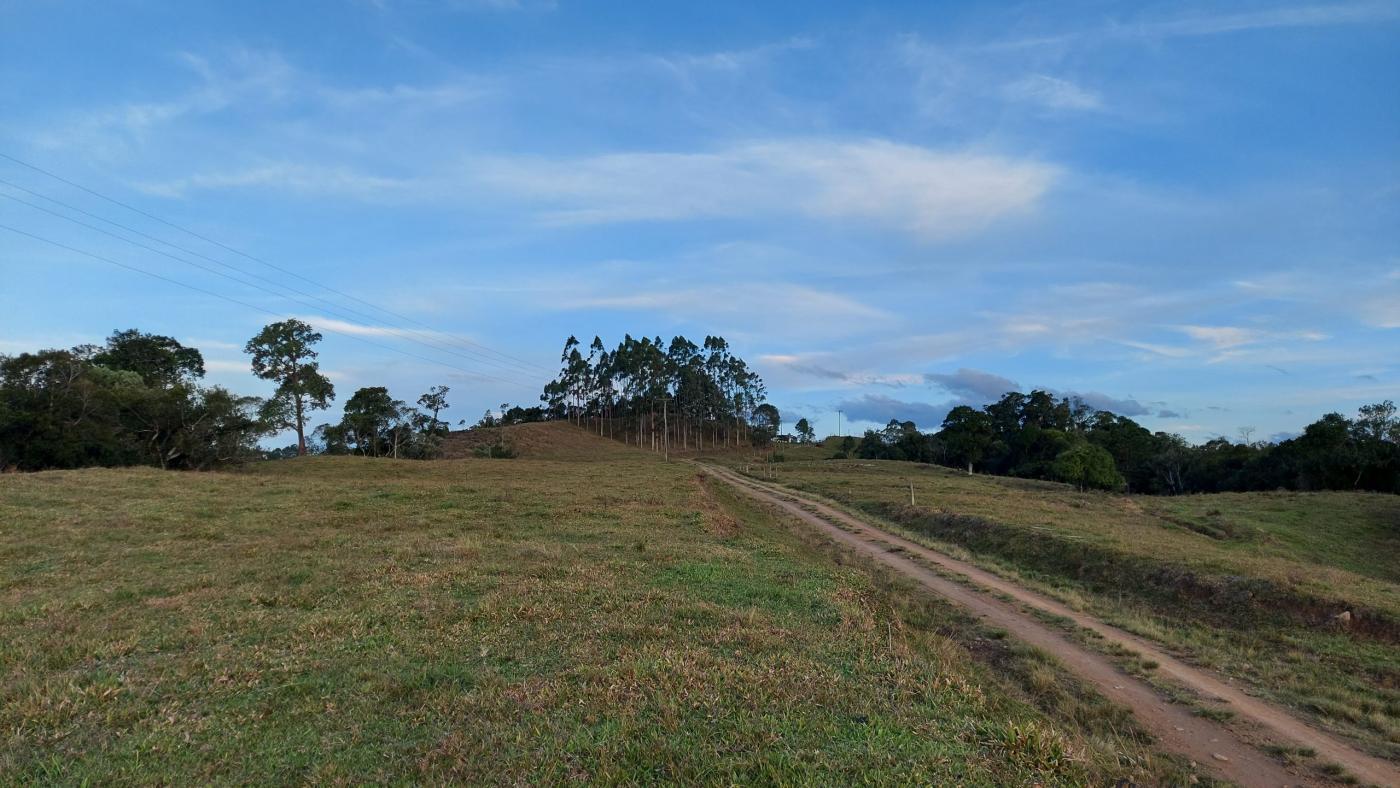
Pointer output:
x,y
676,396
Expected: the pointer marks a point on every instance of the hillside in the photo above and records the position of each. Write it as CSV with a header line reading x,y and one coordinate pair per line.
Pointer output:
x,y
1246,583
550,440
542,619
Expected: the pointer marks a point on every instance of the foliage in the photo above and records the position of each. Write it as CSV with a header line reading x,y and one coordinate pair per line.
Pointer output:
x,y
282,352
1028,434
1087,466
374,424
767,424
805,433
647,391
434,402
133,401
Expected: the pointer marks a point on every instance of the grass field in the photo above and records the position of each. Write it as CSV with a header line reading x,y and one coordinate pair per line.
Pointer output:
x,y
1242,582
604,616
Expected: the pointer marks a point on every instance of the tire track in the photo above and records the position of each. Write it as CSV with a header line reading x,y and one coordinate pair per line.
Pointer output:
x,y
1212,745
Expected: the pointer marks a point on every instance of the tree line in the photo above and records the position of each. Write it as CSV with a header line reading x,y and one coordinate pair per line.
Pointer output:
x,y
654,394
1039,436
138,399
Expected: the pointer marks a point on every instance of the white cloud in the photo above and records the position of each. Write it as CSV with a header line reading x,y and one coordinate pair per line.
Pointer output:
x,y
731,60
1308,16
1053,93
932,194
1297,16
775,302
217,365
1221,336
283,176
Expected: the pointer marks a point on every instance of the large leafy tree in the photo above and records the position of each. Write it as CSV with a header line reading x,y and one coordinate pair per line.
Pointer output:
x,y
159,360
767,423
283,352
370,415
1087,466
134,401
969,434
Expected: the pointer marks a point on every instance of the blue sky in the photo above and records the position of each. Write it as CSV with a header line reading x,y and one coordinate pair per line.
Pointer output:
x,y
1186,212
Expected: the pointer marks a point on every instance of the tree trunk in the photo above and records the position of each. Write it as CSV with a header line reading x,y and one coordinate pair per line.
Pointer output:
x,y
301,429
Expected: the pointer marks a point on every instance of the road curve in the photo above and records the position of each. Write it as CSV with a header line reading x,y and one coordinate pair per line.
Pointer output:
x,y
1212,745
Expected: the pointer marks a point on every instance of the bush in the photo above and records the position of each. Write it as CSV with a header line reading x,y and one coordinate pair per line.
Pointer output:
x,y
500,450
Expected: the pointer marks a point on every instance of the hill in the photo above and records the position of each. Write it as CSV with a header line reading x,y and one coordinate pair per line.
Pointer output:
x,y
549,440
536,620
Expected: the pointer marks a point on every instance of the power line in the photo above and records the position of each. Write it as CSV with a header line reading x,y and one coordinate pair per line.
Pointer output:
x,y
254,307
334,307
244,271
259,260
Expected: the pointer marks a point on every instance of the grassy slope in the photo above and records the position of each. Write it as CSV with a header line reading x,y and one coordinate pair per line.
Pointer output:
x,y
345,619
1318,551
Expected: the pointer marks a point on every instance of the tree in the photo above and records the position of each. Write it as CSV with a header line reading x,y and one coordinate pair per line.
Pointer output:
x,y
968,435
133,402
282,352
368,415
805,433
1378,422
767,422
434,402
159,360
1087,466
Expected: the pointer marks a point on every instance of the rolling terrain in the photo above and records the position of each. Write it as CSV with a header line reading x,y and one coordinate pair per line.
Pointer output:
x,y
544,619
1292,594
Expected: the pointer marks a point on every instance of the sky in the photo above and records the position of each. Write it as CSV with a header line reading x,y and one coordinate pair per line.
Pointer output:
x,y
1187,213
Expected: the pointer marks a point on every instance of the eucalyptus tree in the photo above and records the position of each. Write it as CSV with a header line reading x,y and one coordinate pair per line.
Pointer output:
x,y
434,402
707,394
805,433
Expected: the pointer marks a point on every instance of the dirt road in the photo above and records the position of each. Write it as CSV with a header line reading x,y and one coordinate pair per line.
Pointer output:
x,y
1215,747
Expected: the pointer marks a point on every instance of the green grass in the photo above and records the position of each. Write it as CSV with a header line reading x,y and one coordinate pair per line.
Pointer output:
x,y
1241,582
531,620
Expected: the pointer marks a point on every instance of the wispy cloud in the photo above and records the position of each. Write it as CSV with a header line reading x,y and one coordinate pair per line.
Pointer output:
x,y
932,194
305,179
813,367
738,306
1053,93
1213,24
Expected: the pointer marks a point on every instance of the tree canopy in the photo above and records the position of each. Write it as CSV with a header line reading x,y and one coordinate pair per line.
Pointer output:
x,y
648,391
283,352
1038,435
134,400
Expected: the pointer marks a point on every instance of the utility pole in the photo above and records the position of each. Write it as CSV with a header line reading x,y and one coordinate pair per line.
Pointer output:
x,y
839,434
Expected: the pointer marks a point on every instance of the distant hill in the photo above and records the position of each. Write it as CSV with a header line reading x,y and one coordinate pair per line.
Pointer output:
x,y
550,440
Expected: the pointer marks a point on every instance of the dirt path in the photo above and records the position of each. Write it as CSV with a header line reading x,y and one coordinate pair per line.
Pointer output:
x,y
1212,745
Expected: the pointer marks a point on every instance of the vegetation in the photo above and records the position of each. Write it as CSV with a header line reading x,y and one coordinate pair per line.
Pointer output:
x,y
136,401
377,425
133,401
644,392
1251,584
282,352
610,618
1040,437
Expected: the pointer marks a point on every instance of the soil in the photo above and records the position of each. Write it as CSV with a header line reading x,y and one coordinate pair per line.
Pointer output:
x,y
1229,752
